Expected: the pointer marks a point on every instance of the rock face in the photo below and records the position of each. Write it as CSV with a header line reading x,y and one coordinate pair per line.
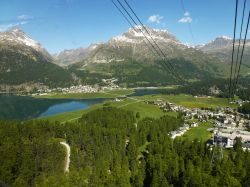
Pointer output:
x,y
118,47
218,43
23,60
132,44
128,58
18,37
135,36
70,56
222,47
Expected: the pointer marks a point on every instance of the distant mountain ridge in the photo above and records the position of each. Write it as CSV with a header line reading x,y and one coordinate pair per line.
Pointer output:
x,y
25,61
135,35
222,47
132,43
131,37
17,36
128,57
71,56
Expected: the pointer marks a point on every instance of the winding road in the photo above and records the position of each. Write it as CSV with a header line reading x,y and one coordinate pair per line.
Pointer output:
x,y
67,157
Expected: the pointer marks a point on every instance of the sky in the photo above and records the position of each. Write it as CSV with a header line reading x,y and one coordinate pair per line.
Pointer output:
x,y
69,24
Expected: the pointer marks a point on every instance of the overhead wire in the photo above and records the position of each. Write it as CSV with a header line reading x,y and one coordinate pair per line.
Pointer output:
x,y
232,60
136,25
136,30
238,50
151,44
242,52
151,38
132,26
141,31
158,51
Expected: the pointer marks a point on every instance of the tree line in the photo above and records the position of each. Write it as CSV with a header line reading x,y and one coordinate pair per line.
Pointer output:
x,y
113,147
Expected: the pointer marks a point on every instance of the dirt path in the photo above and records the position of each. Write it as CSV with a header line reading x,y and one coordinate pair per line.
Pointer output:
x,y
67,157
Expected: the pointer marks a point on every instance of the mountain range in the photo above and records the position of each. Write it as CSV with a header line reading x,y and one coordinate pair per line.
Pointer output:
x,y
23,61
126,57
222,46
71,56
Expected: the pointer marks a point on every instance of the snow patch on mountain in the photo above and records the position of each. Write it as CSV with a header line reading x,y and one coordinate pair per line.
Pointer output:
x,y
226,37
138,34
18,36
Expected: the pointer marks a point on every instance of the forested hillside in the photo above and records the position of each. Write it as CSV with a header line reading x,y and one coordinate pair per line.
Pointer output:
x,y
127,58
19,65
136,73
110,147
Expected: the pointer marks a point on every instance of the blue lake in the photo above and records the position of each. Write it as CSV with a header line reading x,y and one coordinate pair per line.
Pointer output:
x,y
24,107
69,106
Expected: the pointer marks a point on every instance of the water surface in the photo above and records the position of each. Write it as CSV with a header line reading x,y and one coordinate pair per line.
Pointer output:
x,y
23,107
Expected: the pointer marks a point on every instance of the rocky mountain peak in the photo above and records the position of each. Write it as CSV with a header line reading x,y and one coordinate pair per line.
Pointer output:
x,y
135,35
221,40
225,38
217,43
17,31
16,35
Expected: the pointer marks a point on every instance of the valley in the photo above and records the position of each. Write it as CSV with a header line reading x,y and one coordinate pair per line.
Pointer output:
x,y
187,121
160,98
135,101
26,66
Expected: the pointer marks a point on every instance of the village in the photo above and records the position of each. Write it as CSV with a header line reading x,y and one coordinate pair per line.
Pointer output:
x,y
72,89
108,84
228,123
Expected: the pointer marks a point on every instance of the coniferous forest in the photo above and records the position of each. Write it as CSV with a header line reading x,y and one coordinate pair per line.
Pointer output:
x,y
114,147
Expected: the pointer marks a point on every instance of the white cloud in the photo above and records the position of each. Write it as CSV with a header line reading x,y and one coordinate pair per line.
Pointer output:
x,y
20,20
155,18
186,14
23,17
23,22
186,18
5,27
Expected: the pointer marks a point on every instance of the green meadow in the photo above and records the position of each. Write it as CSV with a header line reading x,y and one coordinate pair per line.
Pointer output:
x,y
201,132
190,101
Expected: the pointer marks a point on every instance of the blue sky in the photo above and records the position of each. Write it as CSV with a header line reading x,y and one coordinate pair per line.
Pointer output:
x,y
66,24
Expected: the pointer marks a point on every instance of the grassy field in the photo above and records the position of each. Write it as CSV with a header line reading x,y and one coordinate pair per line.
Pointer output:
x,y
136,104
192,102
144,109
199,132
181,99
106,94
